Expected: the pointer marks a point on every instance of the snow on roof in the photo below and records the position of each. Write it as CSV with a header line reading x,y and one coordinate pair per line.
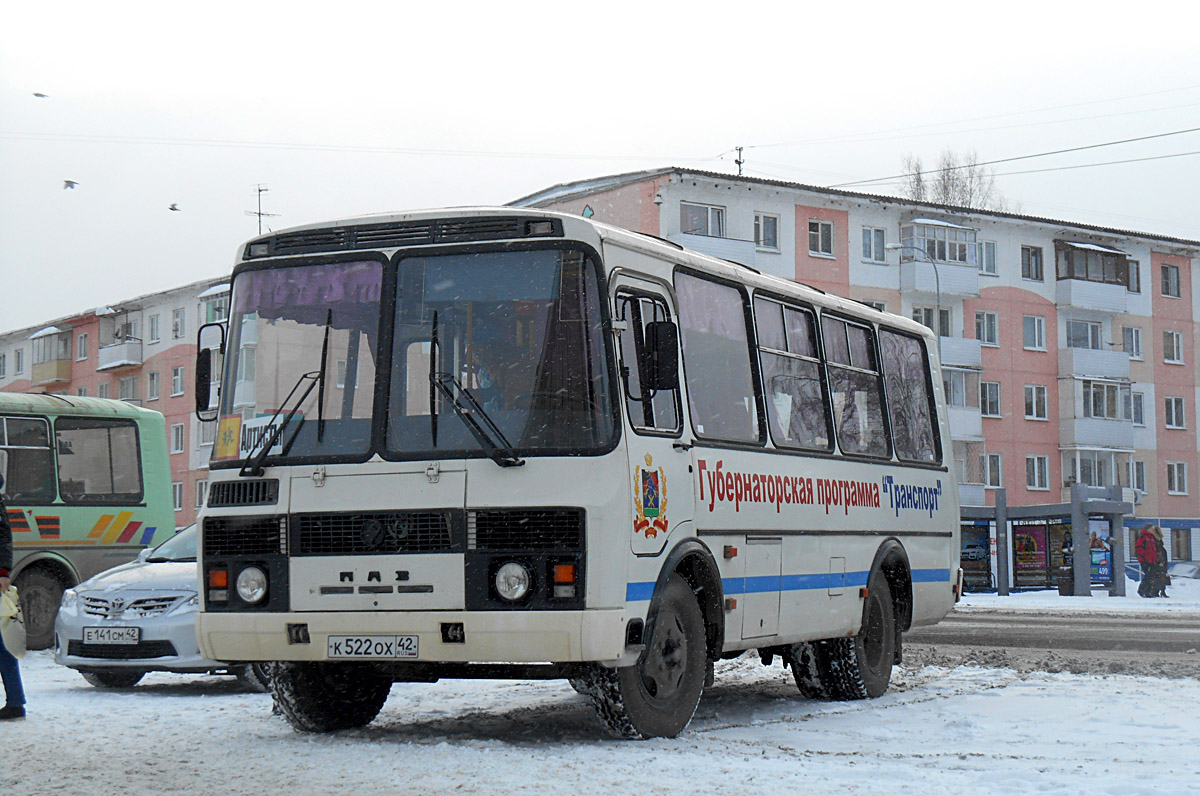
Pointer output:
x,y
938,223
49,330
215,290
1093,247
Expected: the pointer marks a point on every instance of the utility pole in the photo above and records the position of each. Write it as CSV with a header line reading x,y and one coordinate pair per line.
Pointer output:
x,y
260,190
738,160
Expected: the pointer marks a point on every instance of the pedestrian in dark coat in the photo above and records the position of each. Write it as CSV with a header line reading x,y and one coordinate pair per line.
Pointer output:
x,y
1147,556
10,672
1160,550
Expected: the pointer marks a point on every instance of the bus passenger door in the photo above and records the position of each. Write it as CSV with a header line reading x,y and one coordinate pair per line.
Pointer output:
x,y
661,485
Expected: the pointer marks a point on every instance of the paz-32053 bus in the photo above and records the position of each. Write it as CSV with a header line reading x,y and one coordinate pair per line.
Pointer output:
x,y
509,443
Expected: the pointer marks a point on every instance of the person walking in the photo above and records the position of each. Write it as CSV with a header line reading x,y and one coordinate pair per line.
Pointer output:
x,y
1160,551
10,672
1147,556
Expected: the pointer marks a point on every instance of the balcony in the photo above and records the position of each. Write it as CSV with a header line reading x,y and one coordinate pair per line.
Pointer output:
x,y
120,355
966,423
1092,432
1085,295
961,352
740,251
52,372
961,281
972,495
1092,362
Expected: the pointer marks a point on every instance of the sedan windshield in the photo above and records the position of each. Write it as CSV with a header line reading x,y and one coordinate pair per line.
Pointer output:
x,y
180,547
303,342
499,352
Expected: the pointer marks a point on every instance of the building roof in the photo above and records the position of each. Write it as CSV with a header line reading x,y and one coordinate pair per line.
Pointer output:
x,y
582,188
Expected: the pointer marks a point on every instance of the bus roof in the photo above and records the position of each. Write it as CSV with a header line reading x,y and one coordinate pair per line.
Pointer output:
x,y
47,404
628,239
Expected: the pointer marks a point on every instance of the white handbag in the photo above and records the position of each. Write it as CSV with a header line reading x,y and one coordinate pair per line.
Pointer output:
x,y
12,625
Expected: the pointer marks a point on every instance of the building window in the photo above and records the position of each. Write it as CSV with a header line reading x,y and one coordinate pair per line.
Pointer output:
x,y
877,305
766,231
3,365
1035,332
1137,475
945,243
989,466
177,438
1173,348
19,361
1106,400
127,388
874,242
152,386
1174,412
81,346
177,495
216,309
1037,472
1131,341
178,324
985,328
201,492
987,257
1181,544
177,380
208,432
925,315
1084,334
1031,263
702,220
1035,402
820,237
1170,280
1135,277
1137,408
1176,478
154,334
1092,263
962,387
989,398
102,390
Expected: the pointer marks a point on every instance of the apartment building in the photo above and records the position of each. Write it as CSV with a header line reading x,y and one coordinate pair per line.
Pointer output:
x,y
1068,349
142,351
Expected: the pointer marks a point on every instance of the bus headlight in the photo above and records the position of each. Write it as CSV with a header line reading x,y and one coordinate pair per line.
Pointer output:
x,y
513,581
252,584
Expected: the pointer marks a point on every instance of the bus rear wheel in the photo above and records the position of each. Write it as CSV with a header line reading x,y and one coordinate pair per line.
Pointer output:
x,y
861,667
657,696
41,593
325,697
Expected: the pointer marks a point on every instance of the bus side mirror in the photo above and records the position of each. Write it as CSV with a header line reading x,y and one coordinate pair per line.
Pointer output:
x,y
662,353
210,336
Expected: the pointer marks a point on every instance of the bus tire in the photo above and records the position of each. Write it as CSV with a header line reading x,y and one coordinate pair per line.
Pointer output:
x,y
114,678
254,677
41,593
861,667
325,697
802,658
657,696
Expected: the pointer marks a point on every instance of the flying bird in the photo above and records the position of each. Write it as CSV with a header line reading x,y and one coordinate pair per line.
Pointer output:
x,y
69,184
40,95
174,207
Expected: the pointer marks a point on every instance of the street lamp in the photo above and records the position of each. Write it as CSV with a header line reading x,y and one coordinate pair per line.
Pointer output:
x,y
937,285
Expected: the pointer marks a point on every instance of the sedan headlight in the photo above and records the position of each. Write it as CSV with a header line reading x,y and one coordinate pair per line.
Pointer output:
x,y
251,584
70,599
513,581
186,606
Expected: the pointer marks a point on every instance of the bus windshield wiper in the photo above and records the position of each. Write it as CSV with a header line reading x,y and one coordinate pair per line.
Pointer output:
x,y
467,408
258,452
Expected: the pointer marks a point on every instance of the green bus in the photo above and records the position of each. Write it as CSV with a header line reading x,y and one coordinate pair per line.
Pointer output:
x,y
87,484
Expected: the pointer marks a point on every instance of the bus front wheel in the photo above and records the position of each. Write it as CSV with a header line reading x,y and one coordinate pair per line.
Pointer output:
x,y
657,696
41,593
324,697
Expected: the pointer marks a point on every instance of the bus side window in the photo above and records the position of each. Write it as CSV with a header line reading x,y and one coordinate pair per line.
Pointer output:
x,y
29,476
855,387
791,370
910,399
716,360
98,460
660,411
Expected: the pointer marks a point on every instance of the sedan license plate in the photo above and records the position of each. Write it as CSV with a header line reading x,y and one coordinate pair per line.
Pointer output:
x,y
112,635
378,647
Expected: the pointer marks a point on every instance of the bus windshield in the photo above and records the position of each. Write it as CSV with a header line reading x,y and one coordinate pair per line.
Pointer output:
x,y
520,333
292,329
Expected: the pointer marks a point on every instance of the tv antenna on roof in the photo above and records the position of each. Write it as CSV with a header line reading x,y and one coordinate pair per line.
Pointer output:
x,y
260,189
739,160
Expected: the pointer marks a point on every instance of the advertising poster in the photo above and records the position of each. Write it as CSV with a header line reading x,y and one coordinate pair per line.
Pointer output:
x,y
975,555
1031,554
1100,547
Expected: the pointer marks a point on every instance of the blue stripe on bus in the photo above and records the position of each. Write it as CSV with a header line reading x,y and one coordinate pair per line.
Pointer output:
x,y
641,592
930,576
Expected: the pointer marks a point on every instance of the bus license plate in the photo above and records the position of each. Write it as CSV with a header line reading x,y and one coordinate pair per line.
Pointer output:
x,y
112,635
361,647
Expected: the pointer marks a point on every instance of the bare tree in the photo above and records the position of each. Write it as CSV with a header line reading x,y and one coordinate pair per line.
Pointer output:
x,y
958,180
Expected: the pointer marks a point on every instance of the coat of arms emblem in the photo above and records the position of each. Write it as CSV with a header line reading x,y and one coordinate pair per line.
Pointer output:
x,y
650,500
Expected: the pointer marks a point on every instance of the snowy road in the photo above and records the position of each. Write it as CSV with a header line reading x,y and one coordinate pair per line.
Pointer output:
x,y
938,731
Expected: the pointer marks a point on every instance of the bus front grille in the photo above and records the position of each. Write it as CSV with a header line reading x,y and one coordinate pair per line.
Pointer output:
x,y
261,492
367,533
244,536
532,530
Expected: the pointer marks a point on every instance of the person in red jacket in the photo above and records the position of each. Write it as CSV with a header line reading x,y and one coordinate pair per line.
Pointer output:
x,y
1147,555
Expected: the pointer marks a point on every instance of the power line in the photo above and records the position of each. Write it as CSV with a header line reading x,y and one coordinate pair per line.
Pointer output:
x,y
1022,157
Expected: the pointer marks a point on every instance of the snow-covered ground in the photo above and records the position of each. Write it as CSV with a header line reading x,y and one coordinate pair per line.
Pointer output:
x,y
961,730
1183,596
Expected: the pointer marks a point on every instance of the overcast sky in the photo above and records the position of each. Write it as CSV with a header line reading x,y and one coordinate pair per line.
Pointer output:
x,y
353,108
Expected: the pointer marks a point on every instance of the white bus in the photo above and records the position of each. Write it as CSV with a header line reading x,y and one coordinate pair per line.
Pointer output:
x,y
510,443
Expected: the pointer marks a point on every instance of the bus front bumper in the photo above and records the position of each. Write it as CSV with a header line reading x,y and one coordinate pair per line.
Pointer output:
x,y
486,637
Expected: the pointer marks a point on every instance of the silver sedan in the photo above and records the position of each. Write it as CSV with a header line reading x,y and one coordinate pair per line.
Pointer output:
x,y
140,617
